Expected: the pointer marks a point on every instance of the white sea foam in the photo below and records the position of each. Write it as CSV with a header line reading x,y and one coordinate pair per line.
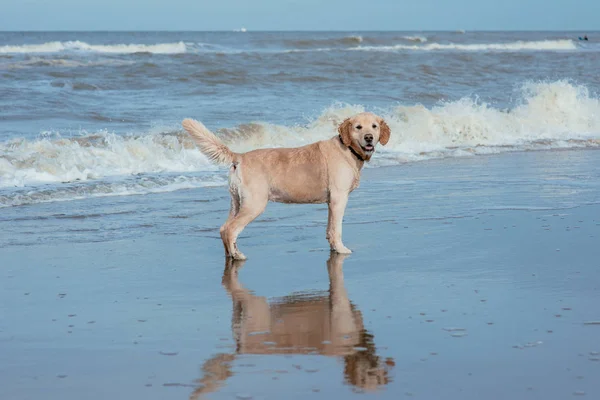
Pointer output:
x,y
52,160
106,188
540,45
56,47
354,42
548,115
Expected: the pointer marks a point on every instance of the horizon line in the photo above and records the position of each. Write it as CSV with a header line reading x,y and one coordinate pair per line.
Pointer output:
x,y
238,30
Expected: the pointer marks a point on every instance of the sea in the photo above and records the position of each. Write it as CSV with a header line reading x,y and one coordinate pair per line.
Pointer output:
x,y
474,230
95,114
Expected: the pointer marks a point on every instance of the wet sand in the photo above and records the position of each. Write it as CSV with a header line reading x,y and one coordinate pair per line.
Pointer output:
x,y
470,278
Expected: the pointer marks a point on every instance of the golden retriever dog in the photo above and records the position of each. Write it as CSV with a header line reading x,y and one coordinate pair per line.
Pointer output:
x,y
324,323
321,172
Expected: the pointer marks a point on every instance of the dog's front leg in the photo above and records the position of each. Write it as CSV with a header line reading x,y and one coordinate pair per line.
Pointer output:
x,y
337,207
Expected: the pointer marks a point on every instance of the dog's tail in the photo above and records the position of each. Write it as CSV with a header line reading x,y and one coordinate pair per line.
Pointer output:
x,y
209,144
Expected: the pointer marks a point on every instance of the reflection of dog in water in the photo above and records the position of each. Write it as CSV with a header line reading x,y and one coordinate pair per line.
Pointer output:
x,y
322,323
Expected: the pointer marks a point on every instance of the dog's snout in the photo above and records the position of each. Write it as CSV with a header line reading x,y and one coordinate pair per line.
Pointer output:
x,y
368,138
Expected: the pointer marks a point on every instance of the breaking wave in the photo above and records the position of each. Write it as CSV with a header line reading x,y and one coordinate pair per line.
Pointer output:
x,y
354,43
548,115
420,39
541,45
56,47
89,157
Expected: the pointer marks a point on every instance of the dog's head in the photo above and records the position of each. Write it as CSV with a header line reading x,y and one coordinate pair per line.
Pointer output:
x,y
362,132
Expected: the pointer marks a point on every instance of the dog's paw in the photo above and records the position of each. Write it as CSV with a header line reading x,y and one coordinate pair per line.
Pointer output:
x,y
342,250
238,256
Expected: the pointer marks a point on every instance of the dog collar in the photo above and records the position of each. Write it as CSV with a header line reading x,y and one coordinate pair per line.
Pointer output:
x,y
352,150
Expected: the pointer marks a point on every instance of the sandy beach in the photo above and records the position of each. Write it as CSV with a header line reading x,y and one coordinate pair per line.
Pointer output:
x,y
471,278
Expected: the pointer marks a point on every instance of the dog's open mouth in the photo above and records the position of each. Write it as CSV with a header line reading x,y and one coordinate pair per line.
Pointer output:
x,y
369,148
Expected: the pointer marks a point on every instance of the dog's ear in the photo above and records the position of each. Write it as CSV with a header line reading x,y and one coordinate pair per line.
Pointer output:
x,y
344,130
385,132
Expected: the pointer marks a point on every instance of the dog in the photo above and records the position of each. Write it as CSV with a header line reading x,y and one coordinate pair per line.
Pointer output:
x,y
322,172
325,323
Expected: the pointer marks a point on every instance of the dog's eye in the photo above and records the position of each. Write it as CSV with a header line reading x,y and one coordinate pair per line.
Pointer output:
x,y
374,126
359,127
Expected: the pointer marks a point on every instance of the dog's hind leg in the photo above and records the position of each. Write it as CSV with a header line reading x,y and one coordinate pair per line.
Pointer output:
x,y
250,208
234,191
233,211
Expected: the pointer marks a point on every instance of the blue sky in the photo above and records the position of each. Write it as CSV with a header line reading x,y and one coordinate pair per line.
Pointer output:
x,y
351,15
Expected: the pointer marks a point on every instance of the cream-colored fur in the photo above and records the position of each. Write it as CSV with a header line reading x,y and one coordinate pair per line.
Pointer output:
x,y
321,172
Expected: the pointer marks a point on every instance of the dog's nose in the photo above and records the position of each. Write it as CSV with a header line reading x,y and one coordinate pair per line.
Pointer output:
x,y
368,138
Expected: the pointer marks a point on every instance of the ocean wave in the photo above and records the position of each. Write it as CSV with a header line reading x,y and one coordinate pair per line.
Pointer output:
x,y
348,43
352,40
555,115
57,47
415,38
34,62
540,45
89,157
548,115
